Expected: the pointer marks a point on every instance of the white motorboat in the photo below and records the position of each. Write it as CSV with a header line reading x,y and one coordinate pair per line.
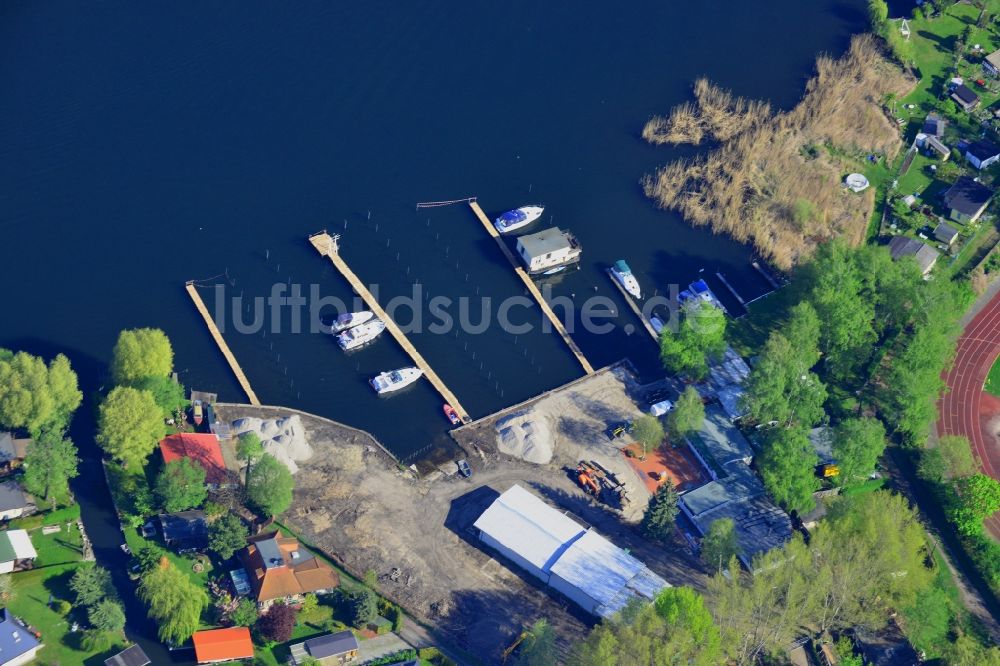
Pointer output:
x,y
386,382
624,276
350,320
513,220
361,335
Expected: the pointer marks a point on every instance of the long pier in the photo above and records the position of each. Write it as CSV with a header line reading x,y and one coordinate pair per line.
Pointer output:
x,y
221,342
326,245
530,284
635,307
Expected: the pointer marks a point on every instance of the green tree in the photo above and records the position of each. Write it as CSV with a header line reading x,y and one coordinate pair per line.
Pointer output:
x,y
180,485
720,544
700,336
95,640
269,486
34,396
787,467
538,647
676,629
878,13
978,499
688,414
168,394
364,607
967,651
245,614
227,535
175,602
249,449
141,353
781,388
91,584
857,445
648,431
278,623
130,425
658,519
49,463
107,615
956,454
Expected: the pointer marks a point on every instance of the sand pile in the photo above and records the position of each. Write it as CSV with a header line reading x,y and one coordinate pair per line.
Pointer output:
x,y
525,436
285,439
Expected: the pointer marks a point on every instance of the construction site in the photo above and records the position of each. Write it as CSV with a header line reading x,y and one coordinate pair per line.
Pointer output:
x,y
366,511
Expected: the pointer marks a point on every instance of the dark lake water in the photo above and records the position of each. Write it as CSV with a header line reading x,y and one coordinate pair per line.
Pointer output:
x,y
146,144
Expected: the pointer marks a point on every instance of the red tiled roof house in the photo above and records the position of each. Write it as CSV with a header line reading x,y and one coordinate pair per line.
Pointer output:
x,y
215,646
280,569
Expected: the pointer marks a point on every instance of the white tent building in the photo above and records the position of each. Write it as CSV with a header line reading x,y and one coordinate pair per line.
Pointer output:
x,y
579,563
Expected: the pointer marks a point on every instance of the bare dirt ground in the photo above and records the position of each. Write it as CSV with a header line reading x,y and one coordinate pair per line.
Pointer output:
x,y
361,508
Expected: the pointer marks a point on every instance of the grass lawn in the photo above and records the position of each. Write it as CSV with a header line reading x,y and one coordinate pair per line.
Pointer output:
x,y
993,380
933,51
869,486
63,547
918,177
183,562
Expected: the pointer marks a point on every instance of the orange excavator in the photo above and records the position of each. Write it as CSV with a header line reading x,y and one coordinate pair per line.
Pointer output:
x,y
587,482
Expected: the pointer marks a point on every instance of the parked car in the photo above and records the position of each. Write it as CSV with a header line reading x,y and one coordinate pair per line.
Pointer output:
x,y
463,467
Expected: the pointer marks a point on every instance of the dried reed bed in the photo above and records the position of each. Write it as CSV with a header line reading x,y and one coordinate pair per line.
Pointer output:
x,y
769,181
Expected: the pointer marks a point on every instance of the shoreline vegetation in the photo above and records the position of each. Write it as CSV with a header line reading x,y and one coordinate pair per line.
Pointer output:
x,y
741,186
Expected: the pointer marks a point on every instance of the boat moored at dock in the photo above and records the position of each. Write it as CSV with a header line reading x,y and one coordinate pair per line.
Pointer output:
x,y
361,335
548,250
387,382
700,291
624,276
518,218
451,414
350,320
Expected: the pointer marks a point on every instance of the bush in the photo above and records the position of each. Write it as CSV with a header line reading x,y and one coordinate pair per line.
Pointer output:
x,y
364,607
278,623
62,607
395,613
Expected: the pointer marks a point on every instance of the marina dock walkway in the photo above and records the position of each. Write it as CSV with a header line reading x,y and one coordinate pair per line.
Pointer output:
x,y
326,245
529,283
635,308
220,341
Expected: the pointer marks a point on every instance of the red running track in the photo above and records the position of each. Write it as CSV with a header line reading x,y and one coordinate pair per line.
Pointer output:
x,y
964,408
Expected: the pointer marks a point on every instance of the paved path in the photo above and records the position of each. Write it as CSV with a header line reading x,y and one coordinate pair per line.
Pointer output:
x,y
381,646
963,408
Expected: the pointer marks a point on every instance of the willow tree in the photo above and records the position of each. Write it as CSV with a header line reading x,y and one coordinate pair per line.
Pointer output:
x,y
130,425
175,603
141,353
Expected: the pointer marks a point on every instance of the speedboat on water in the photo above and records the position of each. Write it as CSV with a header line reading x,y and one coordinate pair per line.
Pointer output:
x,y
361,335
350,320
452,415
513,220
386,382
700,291
624,276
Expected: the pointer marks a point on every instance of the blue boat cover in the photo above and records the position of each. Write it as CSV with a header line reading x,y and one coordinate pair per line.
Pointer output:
x,y
699,287
512,216
622,267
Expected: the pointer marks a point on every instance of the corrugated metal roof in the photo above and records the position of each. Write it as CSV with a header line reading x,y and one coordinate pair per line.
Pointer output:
x,y
597,566
528,526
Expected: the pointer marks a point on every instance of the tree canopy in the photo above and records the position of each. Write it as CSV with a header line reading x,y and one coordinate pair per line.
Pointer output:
x,y
720,544
676,629
91,584
227,535
787,466
648,431
978,499
539,646
700,336
278,623
34,396
661,512
180,485
688,414
168,394
107,615
49,464
141,353
857,445
130,425
950,459
175,603
270,485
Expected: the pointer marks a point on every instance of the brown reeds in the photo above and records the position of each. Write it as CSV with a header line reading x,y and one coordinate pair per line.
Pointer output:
x,y
774,179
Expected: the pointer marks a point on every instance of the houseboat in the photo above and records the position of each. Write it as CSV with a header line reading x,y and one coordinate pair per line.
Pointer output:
x,y
547,250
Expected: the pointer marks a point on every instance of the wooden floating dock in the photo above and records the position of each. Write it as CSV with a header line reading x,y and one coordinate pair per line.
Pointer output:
x,y
530,284
767,275
635,307
223,347
326,245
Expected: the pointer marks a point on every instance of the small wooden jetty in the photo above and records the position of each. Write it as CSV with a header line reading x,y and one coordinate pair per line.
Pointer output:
x,y
327,246
635,307
767,274
529,283
221,342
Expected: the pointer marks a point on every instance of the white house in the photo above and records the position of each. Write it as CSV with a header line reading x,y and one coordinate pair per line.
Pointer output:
x,y
982,154
548,250
15,547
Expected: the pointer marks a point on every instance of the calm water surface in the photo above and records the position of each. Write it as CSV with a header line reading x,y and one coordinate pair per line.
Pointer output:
x,y
146,144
